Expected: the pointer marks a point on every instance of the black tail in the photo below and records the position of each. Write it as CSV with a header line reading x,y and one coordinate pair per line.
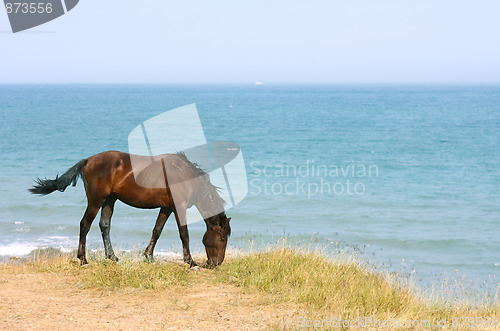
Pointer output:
x,y
46,186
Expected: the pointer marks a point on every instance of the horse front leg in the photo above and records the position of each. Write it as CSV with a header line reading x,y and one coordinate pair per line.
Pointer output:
x,y
180,217
85,224
160,223
105,225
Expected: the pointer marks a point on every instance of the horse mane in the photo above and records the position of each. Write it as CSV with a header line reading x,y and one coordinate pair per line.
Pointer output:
x,y
209,190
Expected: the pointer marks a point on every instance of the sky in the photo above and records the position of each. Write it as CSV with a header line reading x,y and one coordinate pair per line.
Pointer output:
x,y
272,41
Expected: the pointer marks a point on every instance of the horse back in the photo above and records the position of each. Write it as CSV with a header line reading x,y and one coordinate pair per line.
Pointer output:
x,y
111,174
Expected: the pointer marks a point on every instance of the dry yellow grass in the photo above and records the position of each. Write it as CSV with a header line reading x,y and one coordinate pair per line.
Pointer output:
x,y
282,288
342,289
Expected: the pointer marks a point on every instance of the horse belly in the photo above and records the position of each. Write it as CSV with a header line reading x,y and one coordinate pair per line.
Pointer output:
x,y
144,198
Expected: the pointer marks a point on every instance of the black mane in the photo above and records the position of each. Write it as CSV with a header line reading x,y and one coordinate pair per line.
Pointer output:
x,y
209,190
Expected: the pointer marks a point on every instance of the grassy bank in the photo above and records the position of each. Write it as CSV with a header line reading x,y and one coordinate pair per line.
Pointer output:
x,y
343,289
314,286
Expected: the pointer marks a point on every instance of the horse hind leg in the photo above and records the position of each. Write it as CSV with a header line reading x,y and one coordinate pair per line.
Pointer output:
x,y
105,225
85,224
160,223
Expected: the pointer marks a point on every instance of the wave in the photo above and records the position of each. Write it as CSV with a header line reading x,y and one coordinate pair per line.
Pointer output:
x,y
17,249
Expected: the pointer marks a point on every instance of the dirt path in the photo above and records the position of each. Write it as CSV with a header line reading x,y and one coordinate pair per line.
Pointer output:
x,y
48,301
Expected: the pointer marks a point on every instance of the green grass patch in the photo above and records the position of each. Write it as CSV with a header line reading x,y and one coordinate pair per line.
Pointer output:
x,y
102,273
133,274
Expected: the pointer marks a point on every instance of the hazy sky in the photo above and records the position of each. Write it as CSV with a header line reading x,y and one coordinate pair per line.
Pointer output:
x,y
161,41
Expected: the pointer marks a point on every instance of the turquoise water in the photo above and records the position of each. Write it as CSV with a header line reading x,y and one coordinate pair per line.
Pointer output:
x,y
406,175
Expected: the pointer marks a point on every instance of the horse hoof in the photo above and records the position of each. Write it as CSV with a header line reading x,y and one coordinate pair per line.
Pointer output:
x,y
195,268
149,258
113,258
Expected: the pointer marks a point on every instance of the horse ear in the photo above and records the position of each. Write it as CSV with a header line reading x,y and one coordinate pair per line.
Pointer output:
x,y
228,219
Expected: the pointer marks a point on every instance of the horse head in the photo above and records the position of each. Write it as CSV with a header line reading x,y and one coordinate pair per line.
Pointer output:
x,y
215,239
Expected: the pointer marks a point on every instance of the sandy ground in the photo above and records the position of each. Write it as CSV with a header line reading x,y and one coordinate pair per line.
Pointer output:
x,y
48,301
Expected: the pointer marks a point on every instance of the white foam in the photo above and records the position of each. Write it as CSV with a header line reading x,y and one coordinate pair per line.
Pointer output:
x,y
156,253
168,254
56,238
66,249
16,249
22,230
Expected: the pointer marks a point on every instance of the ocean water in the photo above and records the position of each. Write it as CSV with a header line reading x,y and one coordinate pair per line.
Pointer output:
x,y
408,176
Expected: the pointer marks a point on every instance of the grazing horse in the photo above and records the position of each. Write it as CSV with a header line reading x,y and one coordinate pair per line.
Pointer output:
x,y
109,176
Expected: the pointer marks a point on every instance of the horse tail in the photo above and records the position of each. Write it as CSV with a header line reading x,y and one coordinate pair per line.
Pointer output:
x,y
47,186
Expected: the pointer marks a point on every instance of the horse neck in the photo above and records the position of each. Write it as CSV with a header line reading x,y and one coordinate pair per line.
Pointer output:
x,y
208,201
208,208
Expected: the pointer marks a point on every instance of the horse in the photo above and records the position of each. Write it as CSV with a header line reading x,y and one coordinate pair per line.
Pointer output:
x,y
109,176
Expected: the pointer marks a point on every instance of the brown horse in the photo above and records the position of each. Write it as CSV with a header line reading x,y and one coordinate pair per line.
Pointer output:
x,y
109,176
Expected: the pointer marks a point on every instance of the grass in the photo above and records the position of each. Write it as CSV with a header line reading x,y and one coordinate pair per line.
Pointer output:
x,y
104,274
310,279
340,287
112,276
317,285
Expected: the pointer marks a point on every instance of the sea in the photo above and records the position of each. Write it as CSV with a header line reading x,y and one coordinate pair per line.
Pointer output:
x,y
405,177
